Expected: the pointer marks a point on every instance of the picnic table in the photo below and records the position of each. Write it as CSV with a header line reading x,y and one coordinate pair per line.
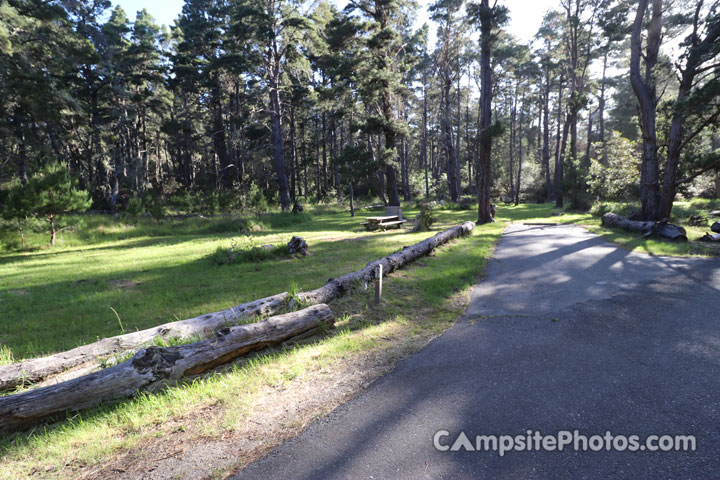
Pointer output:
x,y
383,222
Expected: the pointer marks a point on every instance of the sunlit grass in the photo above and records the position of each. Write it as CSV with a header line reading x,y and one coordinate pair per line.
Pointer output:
x,y
417,305
54,299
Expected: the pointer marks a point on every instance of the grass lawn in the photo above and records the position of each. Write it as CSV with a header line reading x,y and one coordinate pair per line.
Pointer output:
x,y
55,299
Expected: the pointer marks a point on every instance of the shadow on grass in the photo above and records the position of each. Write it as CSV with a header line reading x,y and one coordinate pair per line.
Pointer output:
x,y
419,288
75,305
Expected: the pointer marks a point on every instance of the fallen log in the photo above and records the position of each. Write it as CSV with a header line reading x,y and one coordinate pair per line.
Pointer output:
x,y
36,369
153,365
336,287
661,228
711,237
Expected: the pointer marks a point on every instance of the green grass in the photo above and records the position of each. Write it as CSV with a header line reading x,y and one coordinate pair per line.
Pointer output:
x,y
546,213
54,299
418,304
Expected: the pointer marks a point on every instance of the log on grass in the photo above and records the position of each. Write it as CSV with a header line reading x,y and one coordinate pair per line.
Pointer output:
x,y
336,287
711,237
36,369
155,365
661,228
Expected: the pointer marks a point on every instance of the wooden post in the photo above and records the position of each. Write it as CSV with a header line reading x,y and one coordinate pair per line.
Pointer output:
x,y
378,282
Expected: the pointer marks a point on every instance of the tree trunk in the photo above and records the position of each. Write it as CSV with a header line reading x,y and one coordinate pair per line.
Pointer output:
x,y
318,177
520,149
676,137
645,91
36,369
458,116
324,156
511,156
546,136
449,147
558,129
424,141
53,232
293,157
153,365
352,201
277,137
601,111
559,171
483,171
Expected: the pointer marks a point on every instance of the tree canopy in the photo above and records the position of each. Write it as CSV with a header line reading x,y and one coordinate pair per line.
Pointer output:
x,y
304,102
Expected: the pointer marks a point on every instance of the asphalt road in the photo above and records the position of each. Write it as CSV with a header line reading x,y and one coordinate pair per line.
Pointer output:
x,y
567,332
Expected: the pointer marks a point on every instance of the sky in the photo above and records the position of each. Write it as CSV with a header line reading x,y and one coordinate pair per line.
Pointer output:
x,y
525,15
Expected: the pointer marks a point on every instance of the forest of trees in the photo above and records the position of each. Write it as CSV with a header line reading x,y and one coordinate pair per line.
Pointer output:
x,y
301,102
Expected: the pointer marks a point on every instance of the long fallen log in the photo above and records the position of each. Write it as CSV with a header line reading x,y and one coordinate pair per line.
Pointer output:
x,y
661,228
36,369
336,287
153,365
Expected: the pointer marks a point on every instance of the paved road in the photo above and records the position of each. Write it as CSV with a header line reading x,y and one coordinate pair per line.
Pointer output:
x,y
566,332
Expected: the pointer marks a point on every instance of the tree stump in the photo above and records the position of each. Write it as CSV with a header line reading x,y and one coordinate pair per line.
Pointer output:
x,y
297,245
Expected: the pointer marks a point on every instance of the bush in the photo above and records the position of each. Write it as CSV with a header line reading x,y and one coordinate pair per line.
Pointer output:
x,y
133,209
257,199
234,225
424,219
619,180
156,208
624,209
243,251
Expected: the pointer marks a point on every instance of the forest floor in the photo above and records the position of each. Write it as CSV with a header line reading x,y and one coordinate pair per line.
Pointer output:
x,y
55,299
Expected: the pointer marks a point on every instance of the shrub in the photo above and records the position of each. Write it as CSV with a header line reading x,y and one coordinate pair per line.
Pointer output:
x,y
257,199
624,209
54,194
156,208
243,251
234,225
424,219
619,179
133,209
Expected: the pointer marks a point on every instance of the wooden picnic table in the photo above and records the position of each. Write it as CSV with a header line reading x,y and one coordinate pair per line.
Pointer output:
x,y
383,222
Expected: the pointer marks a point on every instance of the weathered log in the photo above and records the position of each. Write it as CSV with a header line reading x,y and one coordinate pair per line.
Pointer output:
x,y
711,237
153,365
661,228
36,369
336,287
